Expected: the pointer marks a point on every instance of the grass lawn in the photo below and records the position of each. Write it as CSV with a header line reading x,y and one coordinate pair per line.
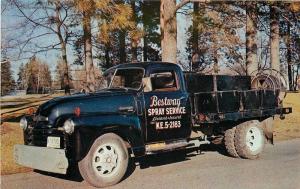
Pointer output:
x,y
289,128
11,134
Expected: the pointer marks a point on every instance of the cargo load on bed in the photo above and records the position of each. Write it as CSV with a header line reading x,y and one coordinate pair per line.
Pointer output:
x,y
221,97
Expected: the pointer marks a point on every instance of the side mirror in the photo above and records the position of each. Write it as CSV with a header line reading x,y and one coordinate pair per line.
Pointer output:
x,y
146,81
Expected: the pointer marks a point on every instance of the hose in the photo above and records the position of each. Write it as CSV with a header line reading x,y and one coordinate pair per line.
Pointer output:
x,y
270,79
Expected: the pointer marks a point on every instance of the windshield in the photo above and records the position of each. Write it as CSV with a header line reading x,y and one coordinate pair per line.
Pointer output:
x,y
127,78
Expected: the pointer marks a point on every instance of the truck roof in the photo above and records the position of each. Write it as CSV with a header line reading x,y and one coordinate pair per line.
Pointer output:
x,y
145,65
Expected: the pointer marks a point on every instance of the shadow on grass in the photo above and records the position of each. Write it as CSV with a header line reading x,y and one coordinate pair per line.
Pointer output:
x,y
8,105
13,118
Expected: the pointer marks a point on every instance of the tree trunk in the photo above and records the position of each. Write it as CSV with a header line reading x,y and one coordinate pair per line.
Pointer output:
x,y
66,78
145,49
289,58
134,43
122,53
297,79
290,76
89,66
168,27
274,16
38,79
216,66
107,59
134,52
195,34
145,26
251,39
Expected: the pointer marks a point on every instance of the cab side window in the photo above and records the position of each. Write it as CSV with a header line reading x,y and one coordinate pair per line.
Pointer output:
x,y
164,81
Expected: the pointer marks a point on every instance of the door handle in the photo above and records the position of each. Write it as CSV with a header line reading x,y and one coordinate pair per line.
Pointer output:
x,y
126,109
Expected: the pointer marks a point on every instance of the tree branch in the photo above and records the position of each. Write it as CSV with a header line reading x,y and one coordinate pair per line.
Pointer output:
x,y
184,2
30,19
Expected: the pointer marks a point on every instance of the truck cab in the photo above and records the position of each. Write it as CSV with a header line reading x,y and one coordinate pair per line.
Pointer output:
x,y
147,108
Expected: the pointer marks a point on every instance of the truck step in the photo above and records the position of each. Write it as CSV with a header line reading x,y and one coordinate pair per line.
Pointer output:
x,y
165,146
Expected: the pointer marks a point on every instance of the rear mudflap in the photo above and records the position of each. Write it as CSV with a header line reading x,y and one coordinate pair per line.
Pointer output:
x,y
267,126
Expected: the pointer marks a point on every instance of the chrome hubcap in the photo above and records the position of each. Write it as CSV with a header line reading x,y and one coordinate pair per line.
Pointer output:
x,y
254,139
105,160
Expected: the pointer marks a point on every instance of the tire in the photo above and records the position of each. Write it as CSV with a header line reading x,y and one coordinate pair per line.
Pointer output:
x,y
229,142
106,162
249,139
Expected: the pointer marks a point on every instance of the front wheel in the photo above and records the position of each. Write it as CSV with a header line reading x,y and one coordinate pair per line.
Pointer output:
x,y
249,139
106,162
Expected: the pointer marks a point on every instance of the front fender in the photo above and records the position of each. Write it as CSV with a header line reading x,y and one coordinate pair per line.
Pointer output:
x,y
88,128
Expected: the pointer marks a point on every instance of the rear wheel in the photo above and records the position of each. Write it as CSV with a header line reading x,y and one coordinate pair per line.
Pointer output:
x,y
106,162
229,142
249,139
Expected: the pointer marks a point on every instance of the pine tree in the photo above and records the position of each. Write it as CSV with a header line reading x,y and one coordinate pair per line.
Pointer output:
x,y
111,17
214,38
60,75
21,82
152,38
37,76
7,81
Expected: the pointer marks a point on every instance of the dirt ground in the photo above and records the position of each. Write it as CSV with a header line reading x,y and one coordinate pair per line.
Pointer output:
x,y
11,134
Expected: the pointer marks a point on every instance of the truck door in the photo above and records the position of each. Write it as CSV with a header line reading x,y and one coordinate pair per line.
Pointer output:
x,y
167,106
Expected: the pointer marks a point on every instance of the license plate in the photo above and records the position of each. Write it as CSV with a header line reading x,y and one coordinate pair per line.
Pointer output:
x,y
53,142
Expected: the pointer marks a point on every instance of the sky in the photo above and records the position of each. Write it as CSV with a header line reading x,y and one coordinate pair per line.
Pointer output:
x,y
10,19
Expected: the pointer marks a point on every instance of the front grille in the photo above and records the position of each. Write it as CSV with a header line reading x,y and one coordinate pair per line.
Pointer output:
x,y
38,137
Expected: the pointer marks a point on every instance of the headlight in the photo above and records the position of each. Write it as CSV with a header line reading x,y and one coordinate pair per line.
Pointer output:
x,y
23,123
69,126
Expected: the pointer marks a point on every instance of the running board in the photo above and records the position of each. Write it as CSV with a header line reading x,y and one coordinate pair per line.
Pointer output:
x,y
165,146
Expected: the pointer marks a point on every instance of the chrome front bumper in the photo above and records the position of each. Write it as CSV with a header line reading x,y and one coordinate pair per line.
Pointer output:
x,y
41,158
